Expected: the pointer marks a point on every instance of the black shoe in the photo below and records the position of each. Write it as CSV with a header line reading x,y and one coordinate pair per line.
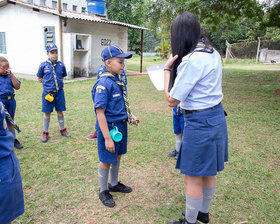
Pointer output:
x,y
17,144
181,221
173,153
120,188
201,217
106,198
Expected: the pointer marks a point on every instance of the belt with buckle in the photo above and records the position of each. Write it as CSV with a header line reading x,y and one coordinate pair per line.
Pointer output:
x,y
7,97
193,111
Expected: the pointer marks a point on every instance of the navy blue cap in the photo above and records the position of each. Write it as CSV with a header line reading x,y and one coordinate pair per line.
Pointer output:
x,y
51,47
114,51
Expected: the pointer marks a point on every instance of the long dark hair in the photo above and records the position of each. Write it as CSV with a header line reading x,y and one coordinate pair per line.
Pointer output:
x,y
185,34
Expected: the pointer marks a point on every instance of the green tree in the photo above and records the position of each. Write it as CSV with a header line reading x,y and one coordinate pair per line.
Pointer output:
x,y
272,15
131,12
242,29
212,12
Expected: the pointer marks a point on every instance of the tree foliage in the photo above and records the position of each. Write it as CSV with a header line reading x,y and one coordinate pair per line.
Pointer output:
x,y
131,12
212,12
221,20
272,17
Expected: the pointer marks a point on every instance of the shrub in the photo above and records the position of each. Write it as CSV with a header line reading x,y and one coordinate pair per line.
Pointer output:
x,y
248,49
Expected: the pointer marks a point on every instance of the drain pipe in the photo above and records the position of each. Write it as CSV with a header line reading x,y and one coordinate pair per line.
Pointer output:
x,y
60,29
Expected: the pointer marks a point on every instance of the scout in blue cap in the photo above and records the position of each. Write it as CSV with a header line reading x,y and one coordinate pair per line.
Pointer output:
x,y
8,83
11,193
112,111
51,74
100,70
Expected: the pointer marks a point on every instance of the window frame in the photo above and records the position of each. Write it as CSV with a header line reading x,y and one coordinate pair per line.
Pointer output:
x,y
3,44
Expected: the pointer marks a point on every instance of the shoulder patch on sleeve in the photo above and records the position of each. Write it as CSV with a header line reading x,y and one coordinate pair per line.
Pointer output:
x,y
99,88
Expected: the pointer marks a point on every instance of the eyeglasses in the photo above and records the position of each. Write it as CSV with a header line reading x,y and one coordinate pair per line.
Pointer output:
x,y
5,68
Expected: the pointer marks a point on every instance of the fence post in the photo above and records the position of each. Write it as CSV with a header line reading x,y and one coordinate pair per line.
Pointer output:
x,y
226,51
259,43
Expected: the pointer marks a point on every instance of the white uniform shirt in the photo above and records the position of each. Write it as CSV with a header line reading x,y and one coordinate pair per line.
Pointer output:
x,y
198,84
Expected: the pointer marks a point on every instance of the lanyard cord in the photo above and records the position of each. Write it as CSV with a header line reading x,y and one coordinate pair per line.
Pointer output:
x,y
54,73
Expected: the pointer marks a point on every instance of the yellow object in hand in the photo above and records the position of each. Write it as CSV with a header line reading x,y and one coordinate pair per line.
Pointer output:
x,y
49,97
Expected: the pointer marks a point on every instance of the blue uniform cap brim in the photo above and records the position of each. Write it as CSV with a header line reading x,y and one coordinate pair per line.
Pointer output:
x,y
124,55
52,49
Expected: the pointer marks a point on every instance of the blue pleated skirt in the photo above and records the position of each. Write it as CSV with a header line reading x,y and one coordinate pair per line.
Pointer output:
x,y
204,148
11,192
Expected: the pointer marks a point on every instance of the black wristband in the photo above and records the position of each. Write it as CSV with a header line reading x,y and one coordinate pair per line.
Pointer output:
x,y
167,69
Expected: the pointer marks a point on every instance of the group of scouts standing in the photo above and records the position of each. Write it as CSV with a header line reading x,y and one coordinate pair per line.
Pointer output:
x,y
193,75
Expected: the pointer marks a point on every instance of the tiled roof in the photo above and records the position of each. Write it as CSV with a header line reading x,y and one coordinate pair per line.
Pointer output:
x,y
75,15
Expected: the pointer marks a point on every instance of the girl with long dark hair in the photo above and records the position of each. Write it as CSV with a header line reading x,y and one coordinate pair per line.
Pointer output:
x,y
193,79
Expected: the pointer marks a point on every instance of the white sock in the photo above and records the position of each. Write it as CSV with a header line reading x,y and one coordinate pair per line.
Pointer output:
x,y
178,142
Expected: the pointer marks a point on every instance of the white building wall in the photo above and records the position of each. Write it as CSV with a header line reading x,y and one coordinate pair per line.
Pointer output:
x,y
101,36
25,37
25,40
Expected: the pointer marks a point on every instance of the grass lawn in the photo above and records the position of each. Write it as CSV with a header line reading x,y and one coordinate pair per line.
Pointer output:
x,y
60,177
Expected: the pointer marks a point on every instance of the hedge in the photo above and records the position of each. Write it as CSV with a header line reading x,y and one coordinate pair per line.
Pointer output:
x,y
248,49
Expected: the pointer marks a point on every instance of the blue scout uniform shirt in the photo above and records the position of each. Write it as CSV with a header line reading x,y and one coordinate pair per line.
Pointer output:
x,y
52,81
102,69
198,83
6,86
107,94
6,137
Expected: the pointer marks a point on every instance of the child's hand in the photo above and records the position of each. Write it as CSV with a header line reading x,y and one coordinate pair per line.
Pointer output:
x,y
40,79
9,73
135,120
110,145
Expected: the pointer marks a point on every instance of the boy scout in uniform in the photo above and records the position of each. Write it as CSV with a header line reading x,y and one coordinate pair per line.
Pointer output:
x,y
51,74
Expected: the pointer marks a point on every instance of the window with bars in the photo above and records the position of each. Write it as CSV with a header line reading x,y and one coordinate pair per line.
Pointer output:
x,y
49,35
83,9
64,6
54,4
74,8
42,2
3,49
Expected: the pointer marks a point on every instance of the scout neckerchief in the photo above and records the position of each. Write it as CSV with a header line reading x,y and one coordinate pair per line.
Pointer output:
x,y
8,116
120,82
54,74
178,111
205,48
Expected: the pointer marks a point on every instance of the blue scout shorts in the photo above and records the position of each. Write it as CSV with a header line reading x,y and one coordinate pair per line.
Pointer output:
x,y
11,193
58,102
10,105
178,124
205,143
120,147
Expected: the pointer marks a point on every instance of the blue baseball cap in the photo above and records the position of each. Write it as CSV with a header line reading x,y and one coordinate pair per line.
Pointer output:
x,y
51,47
114,51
